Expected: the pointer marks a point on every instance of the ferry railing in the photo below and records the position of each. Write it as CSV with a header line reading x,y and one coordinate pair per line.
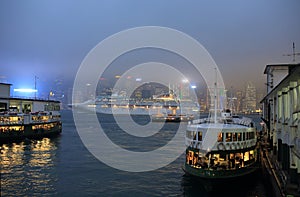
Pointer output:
x,y
232,145
193,143
32,98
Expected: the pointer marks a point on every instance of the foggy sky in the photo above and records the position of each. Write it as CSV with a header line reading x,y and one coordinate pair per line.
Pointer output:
x,y
50,38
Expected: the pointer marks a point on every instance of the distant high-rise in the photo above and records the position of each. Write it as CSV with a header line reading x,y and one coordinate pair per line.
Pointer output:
x,y
250,98
239,100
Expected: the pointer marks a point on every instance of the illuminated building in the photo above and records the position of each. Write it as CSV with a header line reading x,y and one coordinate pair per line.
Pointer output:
x,y
250,98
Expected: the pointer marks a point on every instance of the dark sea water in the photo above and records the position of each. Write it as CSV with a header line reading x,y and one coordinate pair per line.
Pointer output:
x,y
62,166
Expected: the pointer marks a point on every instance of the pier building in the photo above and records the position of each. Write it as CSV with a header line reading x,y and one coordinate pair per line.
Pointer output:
x,y
26,118
281,115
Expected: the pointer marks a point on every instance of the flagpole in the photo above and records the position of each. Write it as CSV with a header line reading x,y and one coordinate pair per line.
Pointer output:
x,y
35,78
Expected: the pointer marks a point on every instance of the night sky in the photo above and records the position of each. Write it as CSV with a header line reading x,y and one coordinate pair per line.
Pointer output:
x,y
50,38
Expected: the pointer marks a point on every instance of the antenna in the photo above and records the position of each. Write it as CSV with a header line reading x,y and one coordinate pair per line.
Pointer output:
x,y
215,97
35,78
293,54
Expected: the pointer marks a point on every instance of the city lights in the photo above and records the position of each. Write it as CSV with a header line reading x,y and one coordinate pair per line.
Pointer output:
x,y
25,90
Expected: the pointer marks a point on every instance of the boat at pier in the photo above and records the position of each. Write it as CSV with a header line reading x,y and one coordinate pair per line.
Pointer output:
x,y
22,118
17,126
224,147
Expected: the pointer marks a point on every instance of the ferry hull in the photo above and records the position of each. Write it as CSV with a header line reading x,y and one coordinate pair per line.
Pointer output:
x,y
29,133
220,174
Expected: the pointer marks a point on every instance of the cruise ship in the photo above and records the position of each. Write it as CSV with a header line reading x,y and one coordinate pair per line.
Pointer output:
x,y
164,107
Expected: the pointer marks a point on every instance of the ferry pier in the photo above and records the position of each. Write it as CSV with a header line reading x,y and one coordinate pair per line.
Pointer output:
x,y
281,129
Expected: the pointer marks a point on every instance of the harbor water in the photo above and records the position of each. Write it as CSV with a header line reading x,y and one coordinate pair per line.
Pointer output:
x,y
62,166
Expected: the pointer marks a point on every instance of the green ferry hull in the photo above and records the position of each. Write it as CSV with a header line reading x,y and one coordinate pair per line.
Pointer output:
x,y
220,174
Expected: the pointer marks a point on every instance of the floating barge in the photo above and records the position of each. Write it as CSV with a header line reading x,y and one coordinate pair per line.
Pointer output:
x,y
22,118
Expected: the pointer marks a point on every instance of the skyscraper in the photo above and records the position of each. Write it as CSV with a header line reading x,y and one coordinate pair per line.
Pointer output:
x,y
250,98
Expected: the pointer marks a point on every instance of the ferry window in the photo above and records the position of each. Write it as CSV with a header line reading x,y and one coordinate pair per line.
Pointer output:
x,y
244,136
57,108
223,156
35,118
52,107
216,157
194,135
248,135
228,137
190,157
46,108
246,156
251,135
189,134
234,137
239,136
220,137
199,136
251,154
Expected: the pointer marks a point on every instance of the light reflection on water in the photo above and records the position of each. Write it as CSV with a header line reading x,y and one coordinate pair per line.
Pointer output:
x,y
62,166
26,168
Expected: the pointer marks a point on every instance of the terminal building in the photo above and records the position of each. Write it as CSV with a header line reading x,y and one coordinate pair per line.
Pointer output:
x,y
281,114
24,105
26,118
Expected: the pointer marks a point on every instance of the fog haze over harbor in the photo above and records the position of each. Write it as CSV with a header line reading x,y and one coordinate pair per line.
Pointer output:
x,y
50,39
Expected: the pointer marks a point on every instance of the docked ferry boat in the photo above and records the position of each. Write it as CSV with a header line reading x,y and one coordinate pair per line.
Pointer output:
x,y
22,118
17,126
221,147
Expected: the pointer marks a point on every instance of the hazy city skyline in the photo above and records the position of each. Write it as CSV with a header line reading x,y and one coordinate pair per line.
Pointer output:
x,y
50,39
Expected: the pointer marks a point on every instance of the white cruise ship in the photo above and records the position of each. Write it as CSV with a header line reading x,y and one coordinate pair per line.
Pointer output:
x,y
164,106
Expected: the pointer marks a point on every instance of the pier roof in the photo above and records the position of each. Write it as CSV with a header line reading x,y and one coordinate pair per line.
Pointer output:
x,y
276,66
5,84
29,99
279,67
